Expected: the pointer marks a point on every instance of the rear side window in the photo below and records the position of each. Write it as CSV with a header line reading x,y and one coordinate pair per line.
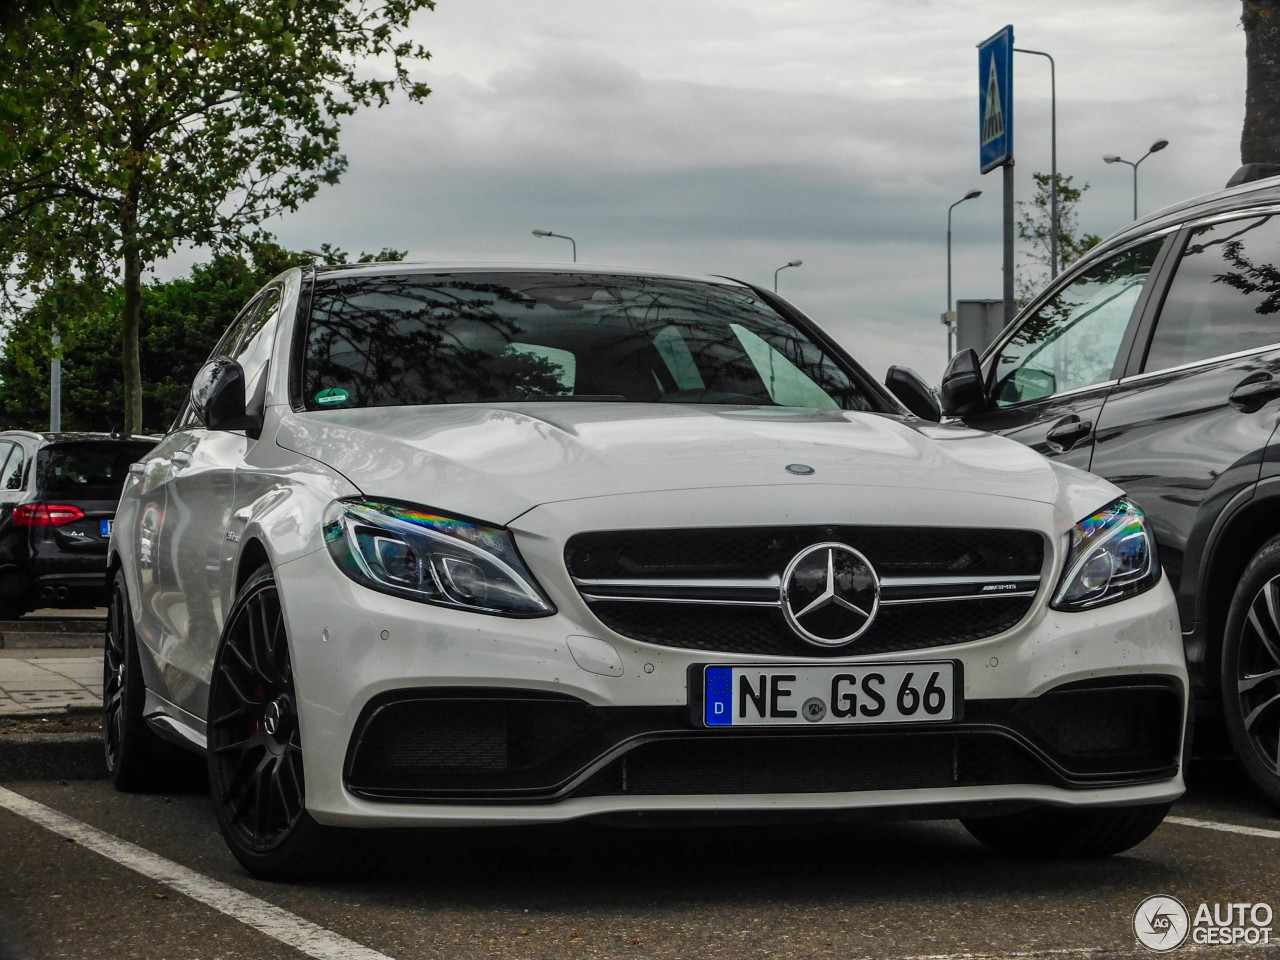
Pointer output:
x,y
11,469
1225,295
89,470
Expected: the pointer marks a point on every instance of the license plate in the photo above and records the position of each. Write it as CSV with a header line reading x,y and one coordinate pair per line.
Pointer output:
x,y
741,696
106,527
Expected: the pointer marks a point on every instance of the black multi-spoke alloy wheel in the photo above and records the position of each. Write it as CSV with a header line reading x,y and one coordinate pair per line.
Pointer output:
x,y
255,746
1058,833
1251,670
136,758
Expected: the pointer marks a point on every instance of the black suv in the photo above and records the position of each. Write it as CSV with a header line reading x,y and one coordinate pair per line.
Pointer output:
x,y
58,495
1155,362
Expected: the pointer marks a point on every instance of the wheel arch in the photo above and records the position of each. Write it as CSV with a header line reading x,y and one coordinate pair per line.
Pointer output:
x,y
253,556
1239,534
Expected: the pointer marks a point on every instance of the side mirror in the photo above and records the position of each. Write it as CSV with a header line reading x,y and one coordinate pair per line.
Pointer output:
x,y
217,396
915,394
964,390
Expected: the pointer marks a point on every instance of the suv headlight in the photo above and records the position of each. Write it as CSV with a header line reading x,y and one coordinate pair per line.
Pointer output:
x,y
412,552
1112,555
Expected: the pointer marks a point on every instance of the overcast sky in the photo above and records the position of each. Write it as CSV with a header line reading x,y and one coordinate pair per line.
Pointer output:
x,y
731,137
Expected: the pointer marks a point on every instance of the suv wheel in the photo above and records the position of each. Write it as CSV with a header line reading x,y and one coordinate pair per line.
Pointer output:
x,y
1251,670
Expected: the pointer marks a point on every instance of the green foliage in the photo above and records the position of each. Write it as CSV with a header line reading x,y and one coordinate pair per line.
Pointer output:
x,y
1034,230
130,126
181,321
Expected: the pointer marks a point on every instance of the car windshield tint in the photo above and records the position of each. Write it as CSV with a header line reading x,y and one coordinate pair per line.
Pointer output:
x,y
474,338
88,469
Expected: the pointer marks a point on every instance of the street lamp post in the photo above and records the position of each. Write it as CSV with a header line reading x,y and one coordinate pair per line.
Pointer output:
x,y
1053,160
1114,158
949,318
789,263
548,233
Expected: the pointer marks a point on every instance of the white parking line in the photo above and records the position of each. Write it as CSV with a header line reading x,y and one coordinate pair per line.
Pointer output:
x,y
312,939
1224,827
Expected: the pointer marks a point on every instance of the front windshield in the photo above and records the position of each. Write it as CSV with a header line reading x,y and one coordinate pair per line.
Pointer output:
x,y
407,339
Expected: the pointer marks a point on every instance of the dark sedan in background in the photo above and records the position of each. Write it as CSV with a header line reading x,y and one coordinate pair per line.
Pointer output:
x,y
58,495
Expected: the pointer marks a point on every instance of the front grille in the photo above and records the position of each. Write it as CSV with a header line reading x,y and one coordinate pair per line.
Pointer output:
x,y
515,746
718,589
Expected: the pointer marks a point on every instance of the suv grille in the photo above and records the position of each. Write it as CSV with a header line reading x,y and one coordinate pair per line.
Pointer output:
x,y
718,589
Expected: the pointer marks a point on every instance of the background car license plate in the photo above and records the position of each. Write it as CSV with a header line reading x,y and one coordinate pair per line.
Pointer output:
x,y
802,695
106,527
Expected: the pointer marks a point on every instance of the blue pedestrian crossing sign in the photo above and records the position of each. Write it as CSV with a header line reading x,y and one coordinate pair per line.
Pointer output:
x,y
995,100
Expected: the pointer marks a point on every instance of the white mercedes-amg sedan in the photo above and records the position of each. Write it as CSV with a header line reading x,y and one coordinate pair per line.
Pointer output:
x,y
492,544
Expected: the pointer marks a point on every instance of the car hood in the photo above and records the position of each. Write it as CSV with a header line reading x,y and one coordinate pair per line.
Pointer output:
x,y
494,462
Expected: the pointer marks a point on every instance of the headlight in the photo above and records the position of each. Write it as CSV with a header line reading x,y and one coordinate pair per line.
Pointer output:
x,y
1112,555
411,552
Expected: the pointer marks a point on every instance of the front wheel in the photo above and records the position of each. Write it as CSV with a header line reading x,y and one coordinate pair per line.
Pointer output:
x,y
1057,833
1251,670
255,746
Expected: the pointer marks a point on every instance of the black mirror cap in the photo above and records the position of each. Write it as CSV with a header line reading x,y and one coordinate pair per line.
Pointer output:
x,y
964,390
915,394
217,397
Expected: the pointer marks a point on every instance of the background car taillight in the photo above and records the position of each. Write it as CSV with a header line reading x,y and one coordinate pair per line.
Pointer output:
x,y
45,514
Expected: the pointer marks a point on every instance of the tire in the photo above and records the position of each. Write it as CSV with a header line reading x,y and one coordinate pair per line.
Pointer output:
x,y
137,760
12,596
1251,670
1058,833
255,747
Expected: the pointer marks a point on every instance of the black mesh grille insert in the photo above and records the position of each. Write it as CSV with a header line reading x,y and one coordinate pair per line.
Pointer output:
x,y
763,552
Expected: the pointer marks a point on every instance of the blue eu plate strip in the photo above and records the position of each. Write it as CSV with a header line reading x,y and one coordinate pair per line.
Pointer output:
x,y
719,696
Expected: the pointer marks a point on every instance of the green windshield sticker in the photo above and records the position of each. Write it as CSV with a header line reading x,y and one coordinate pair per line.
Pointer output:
x,y
332,396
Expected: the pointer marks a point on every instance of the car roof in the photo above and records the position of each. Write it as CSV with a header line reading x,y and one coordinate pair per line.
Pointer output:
x,y
1242,197
401,267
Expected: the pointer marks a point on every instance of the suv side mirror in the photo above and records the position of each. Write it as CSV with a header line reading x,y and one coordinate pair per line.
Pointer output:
x,y
217,397
963,388
915,394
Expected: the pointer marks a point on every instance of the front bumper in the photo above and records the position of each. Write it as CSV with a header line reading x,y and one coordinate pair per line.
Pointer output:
x,y
419,715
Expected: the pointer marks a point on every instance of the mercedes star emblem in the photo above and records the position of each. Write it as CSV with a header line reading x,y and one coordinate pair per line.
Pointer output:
x,y
830,594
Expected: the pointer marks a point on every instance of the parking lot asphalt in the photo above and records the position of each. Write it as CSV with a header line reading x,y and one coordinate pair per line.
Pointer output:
x,y
88,872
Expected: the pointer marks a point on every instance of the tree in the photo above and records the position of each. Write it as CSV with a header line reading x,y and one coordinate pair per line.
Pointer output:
x,y
1260,141
1033,226
130,126
180,322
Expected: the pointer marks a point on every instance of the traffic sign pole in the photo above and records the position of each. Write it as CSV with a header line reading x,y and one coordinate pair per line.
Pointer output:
x,y
995,135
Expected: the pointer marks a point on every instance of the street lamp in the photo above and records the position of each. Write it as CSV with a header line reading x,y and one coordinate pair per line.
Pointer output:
x,y
1053,160
789,263
548,233
1114,158
949,318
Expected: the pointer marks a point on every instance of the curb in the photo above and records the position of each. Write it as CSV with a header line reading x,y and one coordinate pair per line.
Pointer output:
x,y
35,634
52,756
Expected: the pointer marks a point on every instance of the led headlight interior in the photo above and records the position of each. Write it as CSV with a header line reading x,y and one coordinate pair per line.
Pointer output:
x,y
415,553
1112,555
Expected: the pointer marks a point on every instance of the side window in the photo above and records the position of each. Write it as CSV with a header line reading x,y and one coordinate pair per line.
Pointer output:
x,y
11,471
1224,297
10,452
253,349
235,332
1073,339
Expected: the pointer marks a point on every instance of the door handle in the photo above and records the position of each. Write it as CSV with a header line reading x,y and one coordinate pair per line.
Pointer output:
x,y
1067,432
1254,391
181,458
